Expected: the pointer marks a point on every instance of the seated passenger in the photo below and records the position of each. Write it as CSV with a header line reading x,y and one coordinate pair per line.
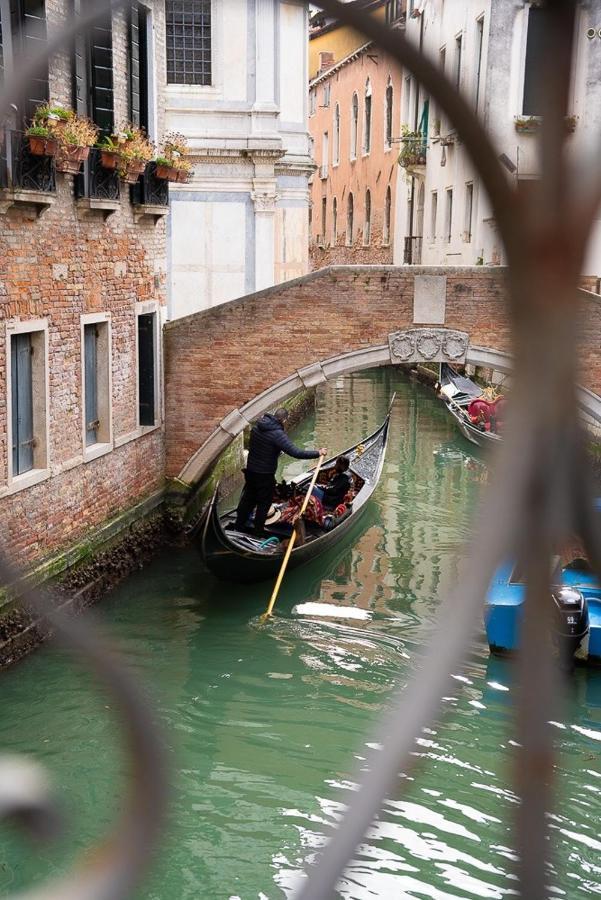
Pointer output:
x,y
339,485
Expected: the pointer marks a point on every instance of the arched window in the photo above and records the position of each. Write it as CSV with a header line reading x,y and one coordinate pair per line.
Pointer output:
x,y
367,118
388,115
387,210
367,226
349,221
336,135
354,125
334,222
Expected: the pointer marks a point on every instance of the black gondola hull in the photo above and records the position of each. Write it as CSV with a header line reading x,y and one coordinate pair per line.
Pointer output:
x,y
226,559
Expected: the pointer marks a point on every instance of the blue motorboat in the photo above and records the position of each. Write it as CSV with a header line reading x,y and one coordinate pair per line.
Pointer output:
x,y
576,601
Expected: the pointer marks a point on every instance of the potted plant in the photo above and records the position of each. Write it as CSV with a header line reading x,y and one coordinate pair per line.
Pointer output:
x,y
41,141
172,164
135,151
527,124
74,142
413,152
110,155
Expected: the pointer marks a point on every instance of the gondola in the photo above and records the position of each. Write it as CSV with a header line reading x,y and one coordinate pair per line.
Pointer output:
x,y
239,556
463,398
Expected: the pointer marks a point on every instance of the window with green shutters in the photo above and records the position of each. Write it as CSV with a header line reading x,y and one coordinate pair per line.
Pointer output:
x,y
93,69
24,38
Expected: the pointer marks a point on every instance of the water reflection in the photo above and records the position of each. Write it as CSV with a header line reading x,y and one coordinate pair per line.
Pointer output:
x,y
269,724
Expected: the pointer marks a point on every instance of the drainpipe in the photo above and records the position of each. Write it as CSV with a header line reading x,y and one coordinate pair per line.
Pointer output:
x,y
415,124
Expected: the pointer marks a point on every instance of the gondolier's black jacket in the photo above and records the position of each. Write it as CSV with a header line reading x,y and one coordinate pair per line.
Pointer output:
x,y
267,440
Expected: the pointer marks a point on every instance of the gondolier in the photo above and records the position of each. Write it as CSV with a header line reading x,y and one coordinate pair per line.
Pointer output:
x,y
268,439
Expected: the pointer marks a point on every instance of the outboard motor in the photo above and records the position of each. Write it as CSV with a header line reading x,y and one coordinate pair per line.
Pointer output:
x,y
571,622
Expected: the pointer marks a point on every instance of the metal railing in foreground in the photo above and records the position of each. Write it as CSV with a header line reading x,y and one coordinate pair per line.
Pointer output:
x,y
541,493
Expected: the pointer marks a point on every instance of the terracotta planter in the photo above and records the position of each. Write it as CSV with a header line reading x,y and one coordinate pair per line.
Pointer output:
x,y
57,124
167,173
70,158
132,171
41,146
182,176
109,159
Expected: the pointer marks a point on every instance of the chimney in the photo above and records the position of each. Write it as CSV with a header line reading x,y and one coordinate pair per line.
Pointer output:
x,y
326,61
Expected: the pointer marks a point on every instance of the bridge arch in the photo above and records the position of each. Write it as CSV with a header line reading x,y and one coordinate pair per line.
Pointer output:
x,y
226,366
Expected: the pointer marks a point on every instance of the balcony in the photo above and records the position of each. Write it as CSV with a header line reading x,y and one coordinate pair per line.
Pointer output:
x,y
412,252
96,187
150,195
413,154
25,178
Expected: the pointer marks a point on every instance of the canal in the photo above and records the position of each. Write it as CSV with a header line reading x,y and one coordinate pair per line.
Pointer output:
x,y
268,725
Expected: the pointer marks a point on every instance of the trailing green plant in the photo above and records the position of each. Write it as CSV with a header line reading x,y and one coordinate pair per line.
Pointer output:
x,y
41,131
413,152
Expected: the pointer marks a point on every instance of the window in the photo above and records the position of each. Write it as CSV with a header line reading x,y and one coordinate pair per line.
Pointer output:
x,y
433,215
148,368
388,116
442,58
367,227
138,66
349,221
534,64
93,68
469,205
367,119
449,215
458,51
479,45
27,355
96,385
324,213
326,94
325,152
188,41
336,139
23,39
387,215
312,102
354,125
334,222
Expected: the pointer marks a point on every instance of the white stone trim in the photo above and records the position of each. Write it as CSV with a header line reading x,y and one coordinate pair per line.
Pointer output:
x,y
16,483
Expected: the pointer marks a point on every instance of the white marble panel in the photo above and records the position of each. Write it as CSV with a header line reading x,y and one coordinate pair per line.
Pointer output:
x,y
429,299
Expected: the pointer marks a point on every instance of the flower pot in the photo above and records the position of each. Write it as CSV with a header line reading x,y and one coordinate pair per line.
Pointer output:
x,y
182,176
109,159
167,173
132,171
69,158
57,124
41,146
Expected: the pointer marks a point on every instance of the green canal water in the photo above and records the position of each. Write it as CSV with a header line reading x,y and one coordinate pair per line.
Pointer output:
x,y
268,726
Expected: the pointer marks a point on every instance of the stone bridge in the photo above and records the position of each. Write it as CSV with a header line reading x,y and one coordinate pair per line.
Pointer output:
x,y
227,365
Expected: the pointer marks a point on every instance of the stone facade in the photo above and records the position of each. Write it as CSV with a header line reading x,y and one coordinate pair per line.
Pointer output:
x,y
59,270
354,187
241,222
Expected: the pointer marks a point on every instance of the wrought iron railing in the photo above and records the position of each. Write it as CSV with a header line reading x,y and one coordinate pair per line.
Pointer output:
x,y
540,495
150,190
20,169
412,251
97,182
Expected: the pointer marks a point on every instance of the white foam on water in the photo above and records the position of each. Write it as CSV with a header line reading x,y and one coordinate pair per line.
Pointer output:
x,y
330,610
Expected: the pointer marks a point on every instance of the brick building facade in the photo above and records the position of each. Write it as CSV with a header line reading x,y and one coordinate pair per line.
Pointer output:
x,y
354,120
82,272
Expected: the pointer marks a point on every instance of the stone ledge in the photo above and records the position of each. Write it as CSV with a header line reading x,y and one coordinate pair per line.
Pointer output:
x,y
149,209
89,205
42,200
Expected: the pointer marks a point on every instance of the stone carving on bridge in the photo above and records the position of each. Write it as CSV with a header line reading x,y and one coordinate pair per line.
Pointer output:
x,y
428,345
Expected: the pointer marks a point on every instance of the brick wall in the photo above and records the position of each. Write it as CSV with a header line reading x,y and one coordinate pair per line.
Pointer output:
x,y
58,267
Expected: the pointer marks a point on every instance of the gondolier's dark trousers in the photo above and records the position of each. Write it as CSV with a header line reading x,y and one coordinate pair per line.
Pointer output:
x,y
258,492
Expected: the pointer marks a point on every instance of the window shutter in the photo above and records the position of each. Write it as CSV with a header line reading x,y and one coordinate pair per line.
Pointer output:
x,y
28,30
138,66
91,384
80,67
101,69
22,403
535,55
146,369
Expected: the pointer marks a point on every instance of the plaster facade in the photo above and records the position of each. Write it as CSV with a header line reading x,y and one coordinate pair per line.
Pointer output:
x,y
241,223
443,214
355,126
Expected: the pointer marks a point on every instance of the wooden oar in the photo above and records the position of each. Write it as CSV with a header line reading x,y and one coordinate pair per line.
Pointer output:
x,y
280,577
